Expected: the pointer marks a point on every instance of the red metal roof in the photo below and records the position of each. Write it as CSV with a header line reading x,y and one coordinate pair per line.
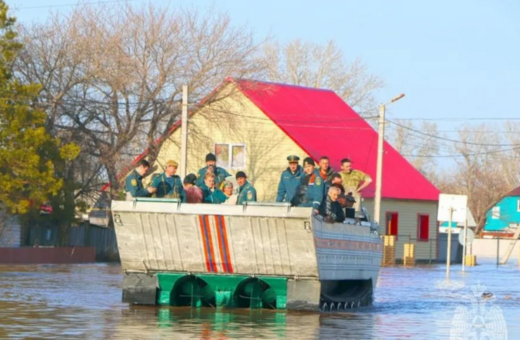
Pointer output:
x,y
322,124
514,192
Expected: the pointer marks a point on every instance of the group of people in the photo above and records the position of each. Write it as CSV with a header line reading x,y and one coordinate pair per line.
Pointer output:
x,y
208,186
333,195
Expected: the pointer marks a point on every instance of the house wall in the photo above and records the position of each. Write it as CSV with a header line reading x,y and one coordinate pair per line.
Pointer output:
x,y
408,212
10,232
482,247
509,214
234,119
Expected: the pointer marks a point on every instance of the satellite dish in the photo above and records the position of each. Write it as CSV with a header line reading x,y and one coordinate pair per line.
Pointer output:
x,y
470,236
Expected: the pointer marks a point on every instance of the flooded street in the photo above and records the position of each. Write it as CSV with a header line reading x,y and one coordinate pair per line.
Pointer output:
x,y
83,301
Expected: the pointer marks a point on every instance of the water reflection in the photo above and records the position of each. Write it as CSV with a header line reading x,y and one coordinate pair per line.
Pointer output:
x,y
84,301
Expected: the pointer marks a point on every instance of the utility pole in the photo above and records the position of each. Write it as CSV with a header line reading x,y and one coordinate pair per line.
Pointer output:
x,y
380,153
184,131
379,170
464,245
448,251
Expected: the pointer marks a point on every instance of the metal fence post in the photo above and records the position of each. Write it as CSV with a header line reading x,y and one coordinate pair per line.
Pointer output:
x,y
498,251
430,241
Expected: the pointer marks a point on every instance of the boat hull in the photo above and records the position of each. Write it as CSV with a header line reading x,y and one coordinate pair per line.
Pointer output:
x,y
254,256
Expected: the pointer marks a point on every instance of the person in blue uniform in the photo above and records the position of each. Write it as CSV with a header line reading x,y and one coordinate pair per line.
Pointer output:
x,y
290,180
246,191
134,182
168,184
211,165
211,193
311,191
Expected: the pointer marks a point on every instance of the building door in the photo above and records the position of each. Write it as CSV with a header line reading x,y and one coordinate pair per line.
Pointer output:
x,y
392,223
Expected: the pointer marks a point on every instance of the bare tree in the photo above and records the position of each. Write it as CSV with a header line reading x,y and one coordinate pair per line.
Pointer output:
x,y
113,75
482,169
323,66
418,144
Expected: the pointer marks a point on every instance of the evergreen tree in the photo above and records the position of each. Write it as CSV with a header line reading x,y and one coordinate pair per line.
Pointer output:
x,y
28,154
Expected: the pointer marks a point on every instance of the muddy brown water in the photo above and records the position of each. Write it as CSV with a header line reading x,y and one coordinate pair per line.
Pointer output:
x,y
84,301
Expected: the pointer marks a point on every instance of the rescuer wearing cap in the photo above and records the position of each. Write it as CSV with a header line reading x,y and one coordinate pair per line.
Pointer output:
x,y
312,187
168,184
211,165
246,191
290,180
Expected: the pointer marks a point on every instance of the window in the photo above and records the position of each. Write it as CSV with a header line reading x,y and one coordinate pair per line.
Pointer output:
x,y
495,213
231,156
392,223
423,227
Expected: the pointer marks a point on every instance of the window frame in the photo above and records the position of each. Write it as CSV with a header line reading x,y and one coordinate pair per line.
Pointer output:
x,y
493,215
419,234
386,223
230,154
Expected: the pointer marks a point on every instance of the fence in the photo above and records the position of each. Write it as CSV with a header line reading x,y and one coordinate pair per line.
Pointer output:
x,y
103,239
84,235
404,248
59,255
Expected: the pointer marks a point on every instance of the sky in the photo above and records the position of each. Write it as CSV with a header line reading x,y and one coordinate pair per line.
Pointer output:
x,y
452,59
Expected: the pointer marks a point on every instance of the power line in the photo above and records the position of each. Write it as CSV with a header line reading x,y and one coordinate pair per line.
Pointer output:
x,y
460,119
448,139
464,154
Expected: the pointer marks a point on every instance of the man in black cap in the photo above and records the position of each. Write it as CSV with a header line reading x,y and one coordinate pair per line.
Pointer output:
x,y
290,180
211,165
246,191
350,211
336,182
312,187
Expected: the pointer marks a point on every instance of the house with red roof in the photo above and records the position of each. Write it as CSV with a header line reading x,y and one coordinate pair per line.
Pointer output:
x,y
253,126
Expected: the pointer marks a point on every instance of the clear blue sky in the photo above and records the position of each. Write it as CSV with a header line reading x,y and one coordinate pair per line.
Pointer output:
x,y
458,59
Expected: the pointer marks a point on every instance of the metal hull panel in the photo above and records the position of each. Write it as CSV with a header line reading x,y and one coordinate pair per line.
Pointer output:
x,y
244,240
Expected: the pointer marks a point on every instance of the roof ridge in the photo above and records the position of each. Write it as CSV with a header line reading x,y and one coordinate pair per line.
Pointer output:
x,y
239,80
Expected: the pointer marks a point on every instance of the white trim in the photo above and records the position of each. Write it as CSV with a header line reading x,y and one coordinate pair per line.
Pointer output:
x,y
495,213
230,154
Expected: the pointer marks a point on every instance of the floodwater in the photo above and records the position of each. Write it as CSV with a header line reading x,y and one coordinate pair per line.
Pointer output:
x,y
83,301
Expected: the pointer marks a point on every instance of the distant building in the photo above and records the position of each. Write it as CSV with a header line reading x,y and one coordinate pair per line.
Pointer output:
x,y
504,216
253,126
10,231
457,227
